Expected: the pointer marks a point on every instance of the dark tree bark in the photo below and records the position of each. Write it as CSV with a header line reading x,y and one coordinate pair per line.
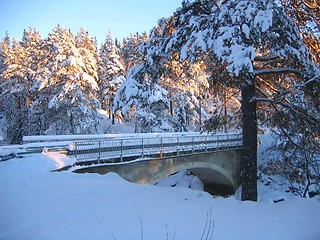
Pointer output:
x,y
113,117
249,151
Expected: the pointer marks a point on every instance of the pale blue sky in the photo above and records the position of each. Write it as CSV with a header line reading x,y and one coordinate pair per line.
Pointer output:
x,y
122,17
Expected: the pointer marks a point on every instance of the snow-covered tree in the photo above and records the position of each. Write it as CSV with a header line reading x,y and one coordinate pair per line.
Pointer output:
x,y
191,80
253,40
72,83
148,98
225,111
131,50
19,77
181,119
5,45
33,43
87,47
152,110
111,73
306,15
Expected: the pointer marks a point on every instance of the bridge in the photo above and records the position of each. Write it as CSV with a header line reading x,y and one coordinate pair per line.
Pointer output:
x,y
214,158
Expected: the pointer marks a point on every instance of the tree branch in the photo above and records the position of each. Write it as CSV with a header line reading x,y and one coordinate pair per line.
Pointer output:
x,y
268,85
316,78
276,71
265,58
309,120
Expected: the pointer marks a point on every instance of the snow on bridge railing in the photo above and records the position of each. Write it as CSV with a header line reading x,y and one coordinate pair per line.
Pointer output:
x,y
122,149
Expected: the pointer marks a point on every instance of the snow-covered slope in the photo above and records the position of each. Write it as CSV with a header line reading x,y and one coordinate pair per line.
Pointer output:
x,y
36,203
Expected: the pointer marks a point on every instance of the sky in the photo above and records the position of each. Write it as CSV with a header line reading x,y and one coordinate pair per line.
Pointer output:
x,y
121,17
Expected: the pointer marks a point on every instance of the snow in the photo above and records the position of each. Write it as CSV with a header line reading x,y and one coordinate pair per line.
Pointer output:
x,y
158,94
240,57
263,20
246,30
182,179
91,81
36,203
184,51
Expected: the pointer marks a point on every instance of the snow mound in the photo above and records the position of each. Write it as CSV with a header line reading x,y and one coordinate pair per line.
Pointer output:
x,y
182,179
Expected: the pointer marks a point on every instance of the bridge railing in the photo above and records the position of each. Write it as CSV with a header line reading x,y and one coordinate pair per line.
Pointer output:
x,y
119,150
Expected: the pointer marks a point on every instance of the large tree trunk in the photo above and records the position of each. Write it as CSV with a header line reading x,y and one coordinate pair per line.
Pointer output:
x,y
249,151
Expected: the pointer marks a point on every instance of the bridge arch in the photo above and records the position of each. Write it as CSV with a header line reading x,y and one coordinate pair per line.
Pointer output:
x,y
219,171
216,177
199,169
208,176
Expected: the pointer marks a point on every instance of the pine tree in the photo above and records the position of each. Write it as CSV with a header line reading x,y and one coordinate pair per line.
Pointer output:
x,y
18,80
111,73
152,109
131,52
32,44
4,50
87,47
72,83
253,41
306,15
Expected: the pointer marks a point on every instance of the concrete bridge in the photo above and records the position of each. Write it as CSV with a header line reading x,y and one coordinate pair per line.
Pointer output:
x,y
214,159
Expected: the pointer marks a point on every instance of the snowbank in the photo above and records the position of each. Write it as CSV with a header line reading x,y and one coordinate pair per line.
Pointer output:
x,y
36,203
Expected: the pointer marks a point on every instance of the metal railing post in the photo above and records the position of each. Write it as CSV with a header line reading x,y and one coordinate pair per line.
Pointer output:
x,y
227,141
161,146
178,143
121,150
142,147
99,151
75,150
192,144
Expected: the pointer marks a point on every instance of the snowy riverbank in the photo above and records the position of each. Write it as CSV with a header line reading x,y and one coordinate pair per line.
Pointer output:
x,y
36,203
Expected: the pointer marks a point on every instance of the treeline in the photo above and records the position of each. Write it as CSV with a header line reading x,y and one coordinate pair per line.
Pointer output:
x,y
54,85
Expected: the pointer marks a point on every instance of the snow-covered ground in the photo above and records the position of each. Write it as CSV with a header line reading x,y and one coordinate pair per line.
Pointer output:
x,y
36,203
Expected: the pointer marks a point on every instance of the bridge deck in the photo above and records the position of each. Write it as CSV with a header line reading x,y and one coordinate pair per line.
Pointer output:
x,y
111,150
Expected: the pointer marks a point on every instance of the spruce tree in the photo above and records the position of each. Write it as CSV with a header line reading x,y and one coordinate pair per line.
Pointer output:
x,y
181,120
149,100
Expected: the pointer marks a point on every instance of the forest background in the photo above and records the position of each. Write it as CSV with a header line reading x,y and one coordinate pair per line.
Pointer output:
x,y
56,85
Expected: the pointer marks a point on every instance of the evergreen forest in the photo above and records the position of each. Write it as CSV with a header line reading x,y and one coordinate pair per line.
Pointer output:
x,y
213,66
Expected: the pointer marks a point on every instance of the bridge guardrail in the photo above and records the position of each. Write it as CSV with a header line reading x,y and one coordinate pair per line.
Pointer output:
x,y
117,150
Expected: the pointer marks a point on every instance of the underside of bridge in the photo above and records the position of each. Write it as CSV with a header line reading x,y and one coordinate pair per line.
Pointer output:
x,y
214,182
218,171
